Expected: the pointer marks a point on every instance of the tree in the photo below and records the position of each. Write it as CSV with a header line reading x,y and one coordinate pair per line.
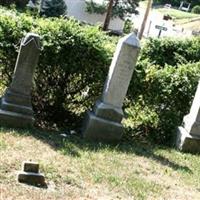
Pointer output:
x,y
18,3
120,8
108,15
53,8
145,19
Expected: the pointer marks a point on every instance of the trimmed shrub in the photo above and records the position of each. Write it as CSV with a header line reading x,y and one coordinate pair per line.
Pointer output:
x,y
73,60
196,9
162,99
18,3
171,51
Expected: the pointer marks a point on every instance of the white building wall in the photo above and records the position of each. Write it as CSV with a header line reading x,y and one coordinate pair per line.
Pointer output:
x,y
76,8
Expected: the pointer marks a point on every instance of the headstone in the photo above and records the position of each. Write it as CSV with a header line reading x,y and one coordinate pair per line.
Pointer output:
x,y
104,122
30,174
188,137
15,106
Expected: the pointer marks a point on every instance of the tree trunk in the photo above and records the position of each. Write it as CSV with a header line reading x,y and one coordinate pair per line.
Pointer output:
x,y
108,15
145,19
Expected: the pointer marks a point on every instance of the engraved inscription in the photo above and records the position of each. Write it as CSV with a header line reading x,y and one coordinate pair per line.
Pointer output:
x,y
120,74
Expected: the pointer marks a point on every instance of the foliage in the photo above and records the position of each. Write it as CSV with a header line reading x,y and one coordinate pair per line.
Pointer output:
x,y
92,7
74,59
53,8
161,97
128,26
120,8
196,9
171,51
18,3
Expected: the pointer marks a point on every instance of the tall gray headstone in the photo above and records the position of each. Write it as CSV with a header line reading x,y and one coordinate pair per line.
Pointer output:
x,y
188,137
104,122
15,106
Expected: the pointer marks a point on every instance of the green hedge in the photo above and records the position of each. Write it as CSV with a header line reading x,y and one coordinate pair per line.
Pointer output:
x,y
171,51
196,9
160,98
73,59
18,3
76,58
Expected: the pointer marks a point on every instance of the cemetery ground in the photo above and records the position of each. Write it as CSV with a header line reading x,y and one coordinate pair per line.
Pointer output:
x,y
76,169
186,20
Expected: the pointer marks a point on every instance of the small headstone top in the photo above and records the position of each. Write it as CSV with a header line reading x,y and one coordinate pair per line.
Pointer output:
x,y
29,166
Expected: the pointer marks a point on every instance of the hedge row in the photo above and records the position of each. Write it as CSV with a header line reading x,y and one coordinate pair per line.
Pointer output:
x,y
73,59
160,97
171,51
18,3
73,65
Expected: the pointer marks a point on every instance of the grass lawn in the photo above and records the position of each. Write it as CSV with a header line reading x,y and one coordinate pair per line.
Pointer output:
x,y
76,169
177,14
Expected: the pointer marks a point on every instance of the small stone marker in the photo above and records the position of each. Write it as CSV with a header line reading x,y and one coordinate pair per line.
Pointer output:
x,y
188,137
104,122
30,174
15,105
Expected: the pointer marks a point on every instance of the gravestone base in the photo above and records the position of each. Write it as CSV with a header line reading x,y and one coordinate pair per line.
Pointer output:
x,y
104,123
15,120
31,178
16,110
30,174
186,142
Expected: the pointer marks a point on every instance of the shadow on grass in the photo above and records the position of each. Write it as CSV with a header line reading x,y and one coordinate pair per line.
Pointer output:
x,y
72,144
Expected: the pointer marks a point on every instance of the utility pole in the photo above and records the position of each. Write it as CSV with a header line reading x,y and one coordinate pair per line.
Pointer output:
x,y
108,15
41,6
145,19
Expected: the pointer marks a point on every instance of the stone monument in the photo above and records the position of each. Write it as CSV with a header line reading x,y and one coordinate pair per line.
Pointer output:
x,y
188,137
30,174
104,122
15,105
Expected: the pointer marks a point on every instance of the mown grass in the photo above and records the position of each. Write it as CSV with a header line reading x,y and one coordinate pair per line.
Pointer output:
x,y
178,14
77,169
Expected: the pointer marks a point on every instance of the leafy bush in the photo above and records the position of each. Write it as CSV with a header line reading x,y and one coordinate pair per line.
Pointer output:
x,y
171,51
196,9
73,60
128,26
53,8
18,3
162,99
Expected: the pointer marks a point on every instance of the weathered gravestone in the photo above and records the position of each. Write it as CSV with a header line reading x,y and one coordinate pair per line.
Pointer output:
x,y
104,122
15,106
188,137
30,174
